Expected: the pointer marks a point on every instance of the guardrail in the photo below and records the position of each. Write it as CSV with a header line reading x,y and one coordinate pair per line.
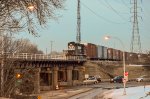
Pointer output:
x,y
40,56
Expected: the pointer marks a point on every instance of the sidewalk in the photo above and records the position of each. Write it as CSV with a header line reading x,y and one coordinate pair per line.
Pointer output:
x,y
63,94
131,93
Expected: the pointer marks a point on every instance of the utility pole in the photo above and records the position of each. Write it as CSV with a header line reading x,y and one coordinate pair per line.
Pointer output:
x,y
78,37
51,46
135,41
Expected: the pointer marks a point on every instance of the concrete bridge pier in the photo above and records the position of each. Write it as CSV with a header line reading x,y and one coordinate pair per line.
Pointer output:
x,y
81,73
37,80
69,75
55,77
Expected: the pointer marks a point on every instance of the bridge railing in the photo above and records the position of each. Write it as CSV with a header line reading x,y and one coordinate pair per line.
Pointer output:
x,y
39,56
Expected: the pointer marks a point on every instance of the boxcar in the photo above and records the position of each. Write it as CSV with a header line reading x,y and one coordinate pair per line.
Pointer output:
x,y
120,55
114,57
110,53
104,49
91,50
99,52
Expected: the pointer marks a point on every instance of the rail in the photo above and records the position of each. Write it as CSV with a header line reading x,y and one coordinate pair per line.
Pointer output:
x,y
30,56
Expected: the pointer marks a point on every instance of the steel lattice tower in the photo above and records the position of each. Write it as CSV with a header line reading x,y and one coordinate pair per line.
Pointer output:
x,y
78,37
135,41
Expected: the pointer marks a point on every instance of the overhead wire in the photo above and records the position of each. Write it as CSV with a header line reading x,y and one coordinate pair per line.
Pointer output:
x,y
143,25
99,16
109,6
125,4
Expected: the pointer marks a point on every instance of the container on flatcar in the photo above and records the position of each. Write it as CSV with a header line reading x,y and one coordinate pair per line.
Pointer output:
x,y
91,50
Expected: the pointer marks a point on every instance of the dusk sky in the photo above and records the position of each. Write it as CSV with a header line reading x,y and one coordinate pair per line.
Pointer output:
x,y
98,18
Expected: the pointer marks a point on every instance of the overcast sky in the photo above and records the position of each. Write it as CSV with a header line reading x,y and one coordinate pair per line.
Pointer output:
x,y
98,18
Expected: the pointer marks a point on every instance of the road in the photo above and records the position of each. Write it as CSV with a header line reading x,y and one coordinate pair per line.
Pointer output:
x,y
88,95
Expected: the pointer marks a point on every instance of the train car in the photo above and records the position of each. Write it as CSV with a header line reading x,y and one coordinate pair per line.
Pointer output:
x,y
101,52
104,52
117,55
143,57
120,55
127,56
132,56
114,54
91,51
110,53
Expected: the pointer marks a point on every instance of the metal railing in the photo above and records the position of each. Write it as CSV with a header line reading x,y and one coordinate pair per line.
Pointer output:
x,y
30,56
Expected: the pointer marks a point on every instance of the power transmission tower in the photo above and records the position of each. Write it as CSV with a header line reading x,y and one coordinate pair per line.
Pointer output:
x,y
135,41
78,37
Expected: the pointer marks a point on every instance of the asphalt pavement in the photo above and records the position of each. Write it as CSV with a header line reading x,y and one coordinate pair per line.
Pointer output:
x,y
63,94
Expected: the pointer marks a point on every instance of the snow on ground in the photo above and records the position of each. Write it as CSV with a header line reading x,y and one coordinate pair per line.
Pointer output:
x,y
131,93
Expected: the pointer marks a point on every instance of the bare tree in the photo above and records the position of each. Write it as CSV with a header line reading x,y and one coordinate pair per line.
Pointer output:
x,y
18,46
27,47
25,14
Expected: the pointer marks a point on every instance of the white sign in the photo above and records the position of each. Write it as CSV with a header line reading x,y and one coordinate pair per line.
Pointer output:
x,y
126,77
86,76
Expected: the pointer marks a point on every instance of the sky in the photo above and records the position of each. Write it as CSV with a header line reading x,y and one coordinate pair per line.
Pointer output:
x,y
98,19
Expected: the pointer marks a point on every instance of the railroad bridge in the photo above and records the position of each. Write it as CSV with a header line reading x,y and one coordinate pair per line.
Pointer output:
x,y
49,72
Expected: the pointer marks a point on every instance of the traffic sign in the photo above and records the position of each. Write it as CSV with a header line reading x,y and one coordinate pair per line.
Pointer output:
x,y
126,73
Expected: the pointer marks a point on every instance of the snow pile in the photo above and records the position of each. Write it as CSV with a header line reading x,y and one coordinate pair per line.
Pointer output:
x,y
131,93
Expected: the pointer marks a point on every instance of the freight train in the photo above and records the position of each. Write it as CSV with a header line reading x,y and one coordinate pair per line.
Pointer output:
x,y
98,52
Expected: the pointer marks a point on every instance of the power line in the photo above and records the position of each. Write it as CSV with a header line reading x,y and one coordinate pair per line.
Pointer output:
x,y
125,4
101,17
109,6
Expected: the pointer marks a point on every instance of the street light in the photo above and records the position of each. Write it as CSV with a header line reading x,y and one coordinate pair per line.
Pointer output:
x,y
31,7
2,67
124,69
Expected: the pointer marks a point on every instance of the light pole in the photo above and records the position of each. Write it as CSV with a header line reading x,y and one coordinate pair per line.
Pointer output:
x,y
2,66
124,68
